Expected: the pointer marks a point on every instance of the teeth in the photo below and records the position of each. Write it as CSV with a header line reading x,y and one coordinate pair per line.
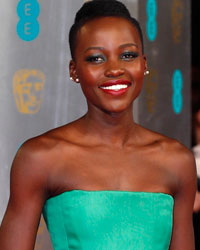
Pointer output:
x,y
116,87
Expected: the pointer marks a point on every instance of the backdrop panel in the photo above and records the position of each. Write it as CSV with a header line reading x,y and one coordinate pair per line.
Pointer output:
x,y
37,95
164,105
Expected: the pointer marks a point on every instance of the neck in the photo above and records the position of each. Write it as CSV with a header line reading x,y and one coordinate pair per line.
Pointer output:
x,y
109,128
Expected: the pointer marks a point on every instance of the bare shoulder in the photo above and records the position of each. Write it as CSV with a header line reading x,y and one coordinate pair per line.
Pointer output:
x,y
178,157
33,153
181,163
40,153
30,166
172,151
174,157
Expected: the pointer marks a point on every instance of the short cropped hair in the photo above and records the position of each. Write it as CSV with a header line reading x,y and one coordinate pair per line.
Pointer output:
x,y
96,9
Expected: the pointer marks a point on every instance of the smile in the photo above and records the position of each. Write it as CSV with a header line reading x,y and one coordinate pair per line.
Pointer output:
x,y
115,87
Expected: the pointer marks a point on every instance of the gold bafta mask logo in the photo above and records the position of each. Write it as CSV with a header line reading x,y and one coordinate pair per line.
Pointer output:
x,y
28,85
177,17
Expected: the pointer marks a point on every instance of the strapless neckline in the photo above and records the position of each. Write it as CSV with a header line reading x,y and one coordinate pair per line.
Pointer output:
x,y
109,219
68,192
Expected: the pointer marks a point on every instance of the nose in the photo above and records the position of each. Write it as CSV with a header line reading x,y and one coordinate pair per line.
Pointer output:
x,y
114,70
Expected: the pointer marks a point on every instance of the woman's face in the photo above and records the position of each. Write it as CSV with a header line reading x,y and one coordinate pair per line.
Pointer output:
x,y
109,63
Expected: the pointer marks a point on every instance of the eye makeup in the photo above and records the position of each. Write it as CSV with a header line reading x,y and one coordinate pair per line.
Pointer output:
x,y
100,58
129,55
95,58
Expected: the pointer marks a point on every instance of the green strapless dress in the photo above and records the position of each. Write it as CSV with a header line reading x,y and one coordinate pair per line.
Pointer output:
x,y
109,220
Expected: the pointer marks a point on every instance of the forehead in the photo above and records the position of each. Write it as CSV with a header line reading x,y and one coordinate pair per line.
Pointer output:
x,y
107,29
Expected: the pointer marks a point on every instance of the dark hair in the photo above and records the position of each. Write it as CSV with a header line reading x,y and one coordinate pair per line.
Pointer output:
x,y
100,8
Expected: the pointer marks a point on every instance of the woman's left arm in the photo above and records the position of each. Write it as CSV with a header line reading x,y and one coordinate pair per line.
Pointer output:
x,y
185,170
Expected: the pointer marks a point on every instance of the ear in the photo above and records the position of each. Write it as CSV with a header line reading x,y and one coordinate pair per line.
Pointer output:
x,y
145,63
72,70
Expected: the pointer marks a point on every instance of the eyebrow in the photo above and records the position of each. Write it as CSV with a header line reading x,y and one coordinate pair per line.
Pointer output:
x,y
128,45
102,48
96,48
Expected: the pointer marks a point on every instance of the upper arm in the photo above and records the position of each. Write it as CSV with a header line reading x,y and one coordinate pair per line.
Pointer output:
x,y
182,234
27,196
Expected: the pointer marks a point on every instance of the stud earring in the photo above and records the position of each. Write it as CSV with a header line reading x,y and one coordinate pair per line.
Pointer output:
x,y
146,72
77,80
71,78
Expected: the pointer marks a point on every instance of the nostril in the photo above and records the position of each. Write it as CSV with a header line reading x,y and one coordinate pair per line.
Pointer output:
x,y
114,72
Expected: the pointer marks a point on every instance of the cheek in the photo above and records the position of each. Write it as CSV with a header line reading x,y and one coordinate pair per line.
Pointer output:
x,y
89,76
88,80
137,73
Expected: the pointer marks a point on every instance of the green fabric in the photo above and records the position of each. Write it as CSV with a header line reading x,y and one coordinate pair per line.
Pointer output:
x,y
109,220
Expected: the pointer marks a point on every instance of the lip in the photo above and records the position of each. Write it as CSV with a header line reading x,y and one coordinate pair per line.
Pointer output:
x,y
115,82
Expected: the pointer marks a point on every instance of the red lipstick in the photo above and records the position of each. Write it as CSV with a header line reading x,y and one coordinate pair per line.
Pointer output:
x,y
115,87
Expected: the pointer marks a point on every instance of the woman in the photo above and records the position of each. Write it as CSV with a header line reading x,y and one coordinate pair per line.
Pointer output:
x,y
102,181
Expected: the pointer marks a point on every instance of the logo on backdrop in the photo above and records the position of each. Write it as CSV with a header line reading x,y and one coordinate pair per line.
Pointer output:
x,y
177,96
177,16
28,27
151,25
151,88
28,86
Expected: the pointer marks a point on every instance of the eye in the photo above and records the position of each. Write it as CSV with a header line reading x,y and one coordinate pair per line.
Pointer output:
x,y
129,56
95,59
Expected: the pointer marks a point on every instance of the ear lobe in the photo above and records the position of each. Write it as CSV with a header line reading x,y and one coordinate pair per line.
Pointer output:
x,y
72,70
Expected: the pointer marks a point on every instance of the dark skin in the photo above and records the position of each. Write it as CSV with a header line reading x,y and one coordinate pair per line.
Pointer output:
x,y
103,150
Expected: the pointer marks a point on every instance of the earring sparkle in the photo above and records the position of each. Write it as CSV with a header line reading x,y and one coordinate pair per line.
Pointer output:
x,y
146,72
71,78
77,80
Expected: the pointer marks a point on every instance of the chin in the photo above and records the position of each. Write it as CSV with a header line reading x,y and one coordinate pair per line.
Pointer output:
x,y
117,109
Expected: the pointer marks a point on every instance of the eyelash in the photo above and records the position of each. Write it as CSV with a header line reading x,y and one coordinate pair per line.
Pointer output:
x,y
127,56
94,59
